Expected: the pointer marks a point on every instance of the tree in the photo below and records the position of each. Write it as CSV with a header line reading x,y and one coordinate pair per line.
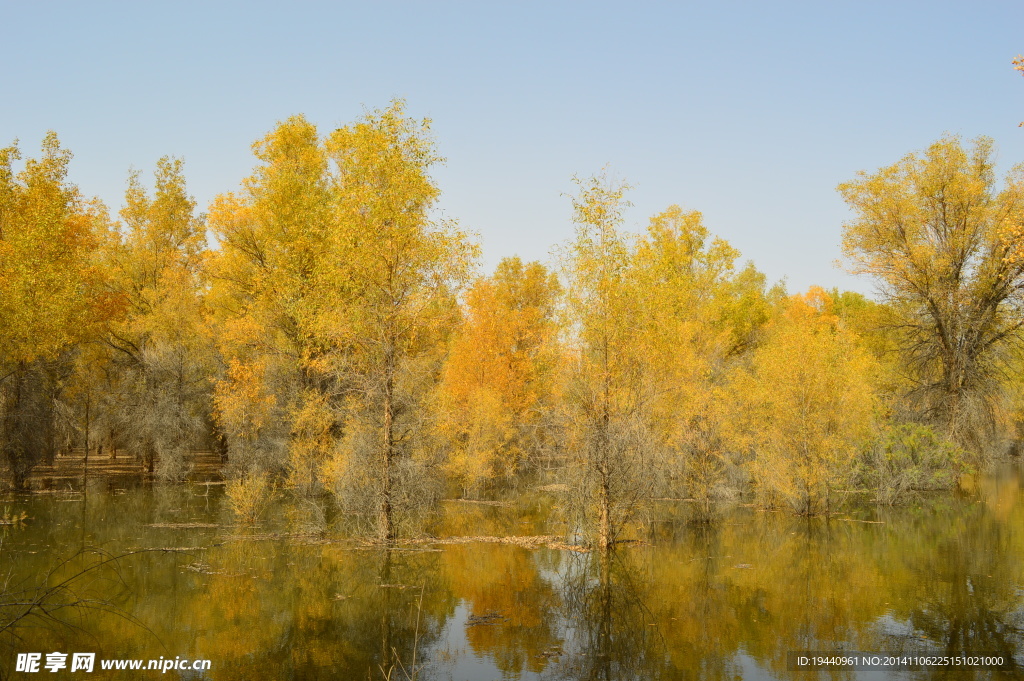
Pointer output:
x,y
498,383
52,296
268,298
159,398
401,271
52,292
942,242
606,393
696,314
806,406
334,290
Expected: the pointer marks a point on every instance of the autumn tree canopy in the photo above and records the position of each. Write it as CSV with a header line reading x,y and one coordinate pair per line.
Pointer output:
x,y
402,270
158,389
51,291
336,341
939,237
606,389
498,389
52,296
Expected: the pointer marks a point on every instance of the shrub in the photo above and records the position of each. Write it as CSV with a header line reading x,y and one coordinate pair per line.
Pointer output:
x,y
250,496
910,457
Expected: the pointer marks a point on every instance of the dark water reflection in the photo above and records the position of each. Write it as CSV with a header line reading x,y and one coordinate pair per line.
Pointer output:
x,y
728,601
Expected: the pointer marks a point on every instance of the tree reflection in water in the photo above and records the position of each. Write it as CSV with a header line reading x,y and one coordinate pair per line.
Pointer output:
x,y
716,602
612,634
962,582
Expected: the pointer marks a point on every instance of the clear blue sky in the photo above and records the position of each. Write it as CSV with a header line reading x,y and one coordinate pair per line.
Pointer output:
x,y
749,112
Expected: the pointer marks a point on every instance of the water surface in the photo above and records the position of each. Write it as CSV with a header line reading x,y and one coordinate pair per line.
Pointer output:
x,y
726,601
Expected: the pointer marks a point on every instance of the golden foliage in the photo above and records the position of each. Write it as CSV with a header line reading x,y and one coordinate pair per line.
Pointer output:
x,y
944,244
313,438
329,327
268,296
498,381
403,270
242,405
609,441
694,311
157,355
807,406
250,496
51,290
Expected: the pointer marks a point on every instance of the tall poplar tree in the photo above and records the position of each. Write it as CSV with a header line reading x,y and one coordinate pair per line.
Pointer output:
x,y
699,312
268,297
401,269
607,391
159,397
51,295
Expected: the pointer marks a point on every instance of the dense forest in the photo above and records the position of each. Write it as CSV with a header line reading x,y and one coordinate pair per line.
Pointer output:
x,y
330,338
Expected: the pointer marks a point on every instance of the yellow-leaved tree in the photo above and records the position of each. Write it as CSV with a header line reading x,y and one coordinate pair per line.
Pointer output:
x,y
334,290
696,313
400,270
499,382
156,400
943,243
52,296
268,298
611,450
806,406
48,237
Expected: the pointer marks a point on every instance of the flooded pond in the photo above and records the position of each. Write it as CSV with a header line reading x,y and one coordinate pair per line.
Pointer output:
x,y
735,600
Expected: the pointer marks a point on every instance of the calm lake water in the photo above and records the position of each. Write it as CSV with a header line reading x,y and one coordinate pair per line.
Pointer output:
x,y
730,601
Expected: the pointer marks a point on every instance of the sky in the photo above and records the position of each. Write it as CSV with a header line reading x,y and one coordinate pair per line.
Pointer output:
x,y
750,112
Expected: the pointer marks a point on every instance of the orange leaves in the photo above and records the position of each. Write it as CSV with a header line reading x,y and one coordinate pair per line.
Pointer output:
x,y
500,370
505,340
814,309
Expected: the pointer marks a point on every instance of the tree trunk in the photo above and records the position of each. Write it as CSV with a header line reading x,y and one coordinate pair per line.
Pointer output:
x,y
385,524
85,461
604,530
